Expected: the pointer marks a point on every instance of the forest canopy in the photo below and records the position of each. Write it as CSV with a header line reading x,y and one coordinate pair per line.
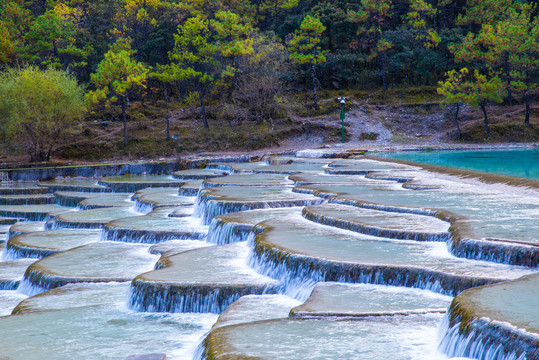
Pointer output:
x,y
242,53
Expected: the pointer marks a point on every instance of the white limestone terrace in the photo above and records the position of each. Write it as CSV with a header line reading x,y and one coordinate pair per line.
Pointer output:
x,y
74,184
24,227
198,174
154,227
248,180
391,337
90,322
380,223
326,329
32,212
296,251
92,218
89,200
133,183
481,320
102,261
147,201
221,200
208,279
41,244
360,300
492,210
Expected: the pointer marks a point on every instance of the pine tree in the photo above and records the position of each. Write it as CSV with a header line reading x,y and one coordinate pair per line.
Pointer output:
x,y
305,48
116,75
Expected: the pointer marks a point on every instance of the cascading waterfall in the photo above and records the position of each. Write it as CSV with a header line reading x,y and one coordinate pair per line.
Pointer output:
x,y
224,232
293,274
111,233
486,339
144,207
187,298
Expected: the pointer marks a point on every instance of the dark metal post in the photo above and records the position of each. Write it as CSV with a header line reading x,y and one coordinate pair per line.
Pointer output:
x,y
342,119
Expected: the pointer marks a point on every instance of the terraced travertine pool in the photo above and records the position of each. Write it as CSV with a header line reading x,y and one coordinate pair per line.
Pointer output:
x,y
292,257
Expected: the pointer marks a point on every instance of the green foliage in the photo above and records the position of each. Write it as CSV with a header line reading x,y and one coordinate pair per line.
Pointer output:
x,y
116,75
305,45
50,41
453,89
38,108
305,48
7,46
420,12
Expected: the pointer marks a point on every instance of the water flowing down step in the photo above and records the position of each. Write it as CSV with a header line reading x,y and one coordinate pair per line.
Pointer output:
x,y
240,226
296,251
190,188
35,199
32,212
153,228
481,320
12,272
202,280
223,200
25,188
493,222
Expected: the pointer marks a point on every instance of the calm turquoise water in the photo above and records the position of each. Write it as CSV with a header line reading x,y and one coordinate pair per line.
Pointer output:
x,y
519,163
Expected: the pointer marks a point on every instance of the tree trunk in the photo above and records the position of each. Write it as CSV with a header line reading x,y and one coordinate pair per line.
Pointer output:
x,y
168,117
201,97
124,118
507,70
313,75
528,102
457,121
383,69
483,107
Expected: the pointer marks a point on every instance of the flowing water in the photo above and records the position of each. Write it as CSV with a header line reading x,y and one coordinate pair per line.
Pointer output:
x,y
293,257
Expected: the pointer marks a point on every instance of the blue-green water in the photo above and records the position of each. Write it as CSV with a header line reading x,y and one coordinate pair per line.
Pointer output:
x,y
519,163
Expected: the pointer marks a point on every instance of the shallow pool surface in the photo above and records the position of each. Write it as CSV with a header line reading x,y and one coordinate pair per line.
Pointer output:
x,y
519,163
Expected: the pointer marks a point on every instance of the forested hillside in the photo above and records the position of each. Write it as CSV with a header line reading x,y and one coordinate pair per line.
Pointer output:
x,y
243,54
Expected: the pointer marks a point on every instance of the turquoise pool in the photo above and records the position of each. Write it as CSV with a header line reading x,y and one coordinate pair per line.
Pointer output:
x,y
519,163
